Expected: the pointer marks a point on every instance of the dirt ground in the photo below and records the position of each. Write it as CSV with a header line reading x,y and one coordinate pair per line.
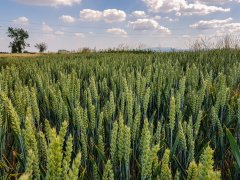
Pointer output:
x,y
19,55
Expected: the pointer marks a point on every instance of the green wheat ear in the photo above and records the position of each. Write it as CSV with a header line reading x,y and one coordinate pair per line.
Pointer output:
x,y
13,116
34,104
193,171
96,175
191,142
111,105
25,176
238,112
136,123
127,150
54,169
182,86
181,135
197,124
129,107
145,151
206,170
30,162
62,132
177,176
42,149
93,88
30,141
67,157
157,134
2,121
146,101
121,138
74,171
108,172
165,170
154,156
172,113
113,149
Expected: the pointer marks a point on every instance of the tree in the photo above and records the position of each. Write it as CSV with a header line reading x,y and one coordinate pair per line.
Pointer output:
x,y
19,37
41,47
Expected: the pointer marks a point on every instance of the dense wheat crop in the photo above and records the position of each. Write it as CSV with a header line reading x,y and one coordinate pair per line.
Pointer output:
x,y
119,115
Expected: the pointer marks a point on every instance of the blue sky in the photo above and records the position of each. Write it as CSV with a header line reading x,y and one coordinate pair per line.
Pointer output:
x,y
74,24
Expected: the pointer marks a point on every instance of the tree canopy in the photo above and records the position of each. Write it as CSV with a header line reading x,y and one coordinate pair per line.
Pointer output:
x,y
41,46
19,37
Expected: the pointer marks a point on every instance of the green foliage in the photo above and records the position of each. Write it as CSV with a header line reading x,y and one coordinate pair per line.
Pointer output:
x,y
235,149
19,37
41,47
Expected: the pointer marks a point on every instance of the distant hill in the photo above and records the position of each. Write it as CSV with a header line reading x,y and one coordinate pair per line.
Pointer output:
x,y
165,49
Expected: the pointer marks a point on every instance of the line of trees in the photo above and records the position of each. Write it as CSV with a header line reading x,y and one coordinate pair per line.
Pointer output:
x,y
19,37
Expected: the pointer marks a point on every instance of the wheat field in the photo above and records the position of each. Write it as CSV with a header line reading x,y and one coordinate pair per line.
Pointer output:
x,y
125,115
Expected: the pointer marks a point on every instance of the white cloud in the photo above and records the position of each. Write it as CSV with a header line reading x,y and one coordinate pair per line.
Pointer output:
x,y
170,19
178,14
162,29
148,24
117,31
214,1
46,28
157,17
50,2
139,14
81,35
22,20
232,27
165,5
182,7
59,33
215,23
202,9
67,19
144,24
90,15
222,27
108,15
229,28
114,15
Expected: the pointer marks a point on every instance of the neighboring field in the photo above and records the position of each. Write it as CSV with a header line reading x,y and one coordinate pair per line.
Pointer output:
x,y
119,115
